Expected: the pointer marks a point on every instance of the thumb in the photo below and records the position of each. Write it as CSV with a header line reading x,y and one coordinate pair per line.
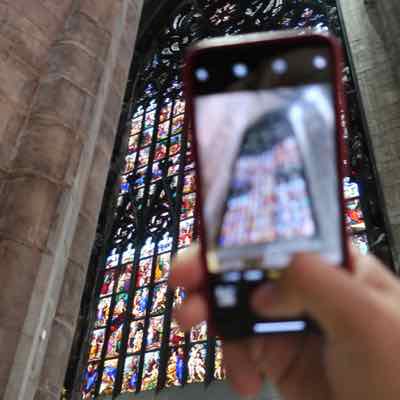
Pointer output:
x,y
329,295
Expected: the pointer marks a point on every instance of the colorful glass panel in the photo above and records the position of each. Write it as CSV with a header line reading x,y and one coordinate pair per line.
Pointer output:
x,y
140,303
186,232
197,363
143,273
131,374
188,204
136,334
115,342
219,370
176,335
175,367
162,267
199,333
90,378
103,312
159,299
154,333
124,280
109,376
354,216
150,370
107,286
96,344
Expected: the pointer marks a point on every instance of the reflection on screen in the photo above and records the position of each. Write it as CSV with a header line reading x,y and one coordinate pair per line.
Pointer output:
x,y
269,175
268,196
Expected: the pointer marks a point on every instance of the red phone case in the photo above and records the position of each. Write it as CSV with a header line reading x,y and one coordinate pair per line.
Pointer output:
x,y
278,40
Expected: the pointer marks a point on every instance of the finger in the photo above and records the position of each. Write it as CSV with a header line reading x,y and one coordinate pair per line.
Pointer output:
x,y
193,311
329,294
187,270
372,272
240,369
274,355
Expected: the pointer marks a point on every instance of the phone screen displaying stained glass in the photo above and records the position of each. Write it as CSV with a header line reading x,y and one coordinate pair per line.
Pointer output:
x,y
266,135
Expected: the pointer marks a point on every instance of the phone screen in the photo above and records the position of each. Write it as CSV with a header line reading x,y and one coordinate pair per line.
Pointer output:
x,y
266,136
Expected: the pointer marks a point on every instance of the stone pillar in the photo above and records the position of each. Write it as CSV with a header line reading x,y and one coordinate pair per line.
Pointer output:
x,y
63,72
380,93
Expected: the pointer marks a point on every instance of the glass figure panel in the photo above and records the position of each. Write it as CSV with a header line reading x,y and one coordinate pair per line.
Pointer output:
x,y
103,312
140,303
159,298
350,188
131,374
107,286
150,370
354,216
133,143
130,163
361,242
186,232
163,130
219,370
121,302
165,112
147,137
124,280
189,183
197,363
179,107
140,178
199,332
112,259
129,254
108,378
176,335
143,273
90,377
175,145
179,296
143,158
160,151
149,120
96,344
165,243
174,165
136,126
135,339
162,267
177,124
188,205
156,172
148,248
115,342
175,367
124,185
154,333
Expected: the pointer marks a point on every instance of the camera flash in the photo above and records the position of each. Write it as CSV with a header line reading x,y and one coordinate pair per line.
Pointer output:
x,y
280,66
240,70
202,74
320,62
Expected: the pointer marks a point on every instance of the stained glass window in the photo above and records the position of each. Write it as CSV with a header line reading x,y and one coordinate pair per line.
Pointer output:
x,y
134,344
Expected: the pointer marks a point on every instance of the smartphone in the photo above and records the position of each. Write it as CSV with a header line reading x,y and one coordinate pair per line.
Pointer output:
x,y
266,114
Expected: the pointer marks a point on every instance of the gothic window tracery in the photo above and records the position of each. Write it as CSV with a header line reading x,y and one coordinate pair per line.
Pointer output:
x,y
134,344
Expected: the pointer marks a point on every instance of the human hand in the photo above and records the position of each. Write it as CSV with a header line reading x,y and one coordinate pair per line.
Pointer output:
x,y
359,314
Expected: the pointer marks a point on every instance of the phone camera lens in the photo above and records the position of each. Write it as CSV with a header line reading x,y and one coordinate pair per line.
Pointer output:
x,y
240,70
279,66
202,74
320,62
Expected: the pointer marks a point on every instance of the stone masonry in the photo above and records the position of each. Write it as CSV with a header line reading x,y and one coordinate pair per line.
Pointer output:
x,y
63,71
372,28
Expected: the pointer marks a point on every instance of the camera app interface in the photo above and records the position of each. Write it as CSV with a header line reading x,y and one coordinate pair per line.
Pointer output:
x,y
268,161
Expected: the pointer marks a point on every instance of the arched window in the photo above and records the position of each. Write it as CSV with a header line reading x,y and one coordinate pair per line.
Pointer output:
x,y
134,345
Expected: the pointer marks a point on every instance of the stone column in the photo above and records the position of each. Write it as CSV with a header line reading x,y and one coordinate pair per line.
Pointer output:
x,y
380,93
63,71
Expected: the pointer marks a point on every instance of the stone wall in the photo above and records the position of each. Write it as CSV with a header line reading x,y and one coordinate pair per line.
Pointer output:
x,y
373,34
63,71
